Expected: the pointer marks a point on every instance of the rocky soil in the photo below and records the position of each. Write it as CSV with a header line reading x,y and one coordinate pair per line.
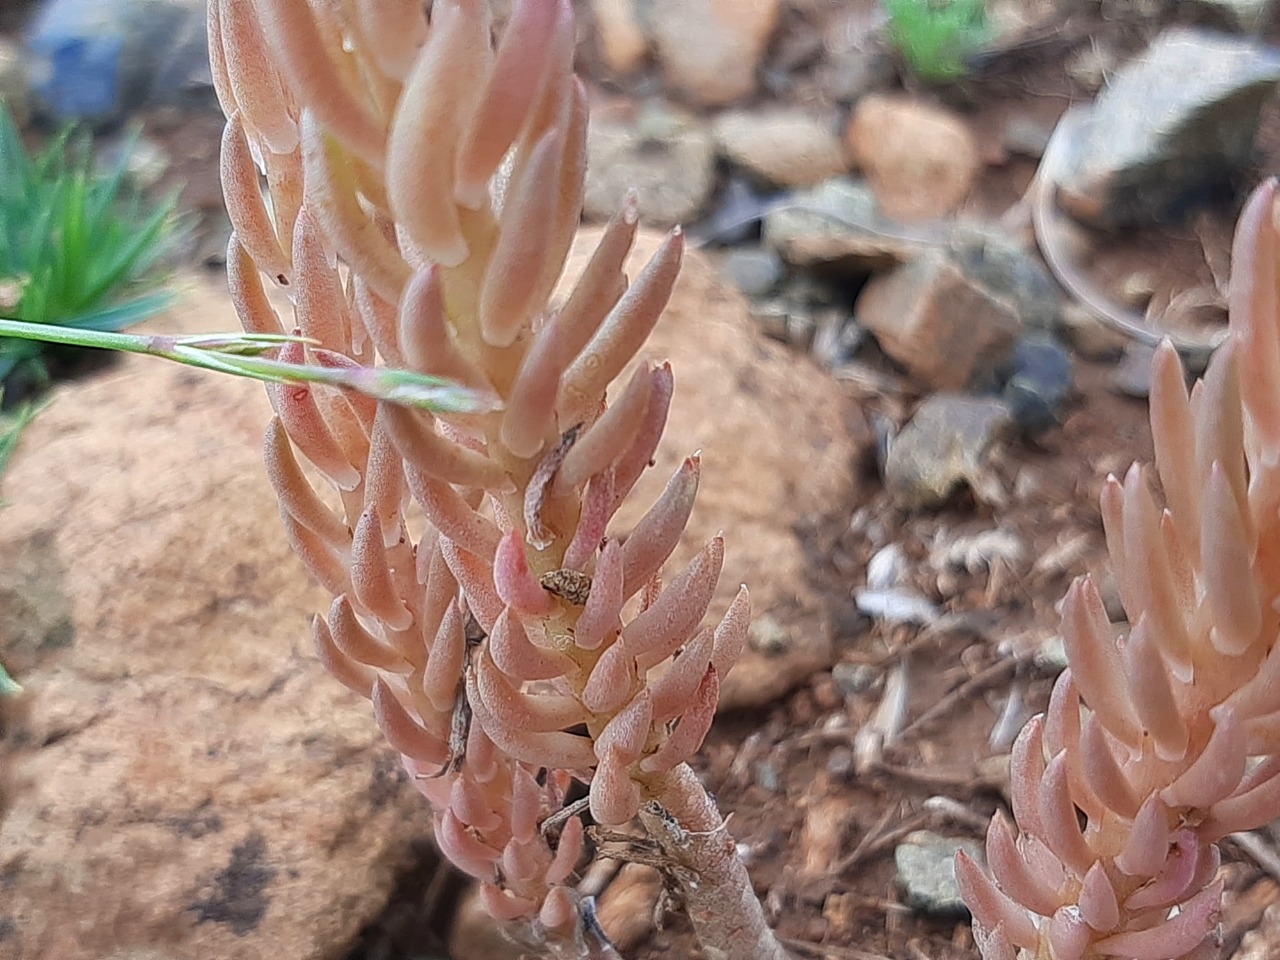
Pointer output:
x,y
912,344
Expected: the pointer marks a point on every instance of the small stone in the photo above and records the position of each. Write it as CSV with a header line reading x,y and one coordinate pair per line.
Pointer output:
x,y
1000,263
766,635
627,904
921,160
757,271
945,328
711,50
1091,336
1051,656
1132,376
837,225
926,872
898,605
942,449
669,159
887,567
1149,151
768,777
623,44
1040,384
782,146
840,762
852,679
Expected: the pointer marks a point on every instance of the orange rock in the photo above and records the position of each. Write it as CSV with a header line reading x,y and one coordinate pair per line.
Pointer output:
x,y
920,160
711,49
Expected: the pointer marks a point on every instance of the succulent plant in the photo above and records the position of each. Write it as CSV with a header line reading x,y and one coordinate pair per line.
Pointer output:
x,y
424,186
1166,739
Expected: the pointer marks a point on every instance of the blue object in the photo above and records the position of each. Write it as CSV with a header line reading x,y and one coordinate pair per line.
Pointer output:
x,y
80,43
101,60
1040,384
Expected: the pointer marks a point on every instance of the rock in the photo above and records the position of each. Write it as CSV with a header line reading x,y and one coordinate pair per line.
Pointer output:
x,y
1040,384
783,146
189,776
940,324
731,383
887,567
101,60
15,82
852,679
896,605
1250,15
666,157
711,50
921,160
627,904
926,872
837,225
1000,263
943,448
623,44
1091,336
755,271
1050,656
1149,151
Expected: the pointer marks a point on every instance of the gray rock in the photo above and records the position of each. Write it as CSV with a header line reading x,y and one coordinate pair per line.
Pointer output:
x,y
1151,149
837,225
926,872
756,271
1252,15
1040,384
852,679
15,82
783,146
948,330
101,60
943,448
1001,264
668,159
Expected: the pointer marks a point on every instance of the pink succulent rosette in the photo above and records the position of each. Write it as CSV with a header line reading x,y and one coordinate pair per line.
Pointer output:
x,y
1168,738
422,189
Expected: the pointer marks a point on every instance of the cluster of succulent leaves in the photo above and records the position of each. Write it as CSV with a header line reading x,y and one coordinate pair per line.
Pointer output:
x,y
78,248
937,38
